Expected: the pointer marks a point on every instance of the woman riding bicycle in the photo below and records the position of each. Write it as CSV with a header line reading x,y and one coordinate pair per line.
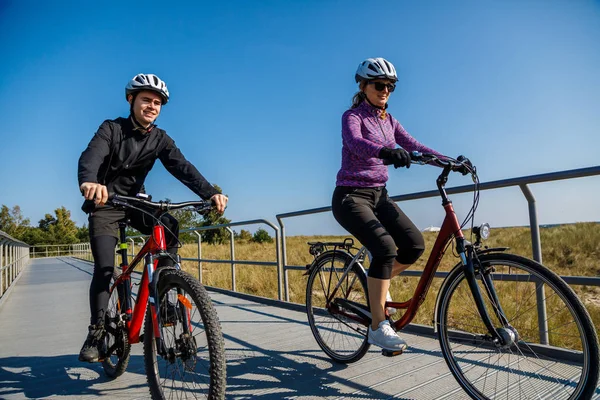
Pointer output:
x,y
360,201
118,159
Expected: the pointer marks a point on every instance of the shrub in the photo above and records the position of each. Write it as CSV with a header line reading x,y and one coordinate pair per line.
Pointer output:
x,y
262,236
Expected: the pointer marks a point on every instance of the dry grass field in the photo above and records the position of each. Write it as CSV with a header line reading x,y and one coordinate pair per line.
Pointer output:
x,y
571,250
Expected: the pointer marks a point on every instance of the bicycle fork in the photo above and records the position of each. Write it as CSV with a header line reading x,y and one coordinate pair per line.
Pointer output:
x,y
154,306
505,335
153,299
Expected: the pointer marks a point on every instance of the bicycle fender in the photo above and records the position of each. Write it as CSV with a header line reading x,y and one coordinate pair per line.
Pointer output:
x,y
491,250
156,276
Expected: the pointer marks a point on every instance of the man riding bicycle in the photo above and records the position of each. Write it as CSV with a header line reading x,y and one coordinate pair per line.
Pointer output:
x,y
117,160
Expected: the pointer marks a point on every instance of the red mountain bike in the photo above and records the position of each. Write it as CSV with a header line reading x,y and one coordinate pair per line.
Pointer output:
x,y
183,344
509,328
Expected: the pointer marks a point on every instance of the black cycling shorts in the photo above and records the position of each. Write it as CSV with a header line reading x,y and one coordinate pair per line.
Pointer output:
x,y
380,225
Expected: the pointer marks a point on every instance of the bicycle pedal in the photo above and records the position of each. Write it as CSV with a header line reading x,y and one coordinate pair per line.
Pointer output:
x,y
391,353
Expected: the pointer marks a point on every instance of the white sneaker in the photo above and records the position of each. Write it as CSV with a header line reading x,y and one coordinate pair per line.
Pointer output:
x,y
385,337
391,310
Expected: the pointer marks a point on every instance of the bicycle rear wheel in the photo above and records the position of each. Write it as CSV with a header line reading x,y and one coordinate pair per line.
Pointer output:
x,y
552,346
116,341
194,362
337,331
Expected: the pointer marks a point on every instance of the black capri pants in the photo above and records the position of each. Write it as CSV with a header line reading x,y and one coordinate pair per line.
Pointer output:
x,y
104,230
378,223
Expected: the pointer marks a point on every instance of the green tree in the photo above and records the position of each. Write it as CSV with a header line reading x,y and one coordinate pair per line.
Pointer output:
x,y
34,235
187,218
262,236
215,236
60,229
12,222
245,235
83,234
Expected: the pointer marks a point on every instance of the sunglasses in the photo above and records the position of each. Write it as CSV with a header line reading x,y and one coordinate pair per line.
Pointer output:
x,y
379,86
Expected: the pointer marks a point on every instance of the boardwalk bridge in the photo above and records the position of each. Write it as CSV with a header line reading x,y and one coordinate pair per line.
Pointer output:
x,y
270,350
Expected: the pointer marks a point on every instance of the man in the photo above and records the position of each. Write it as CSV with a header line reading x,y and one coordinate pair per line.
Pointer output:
x,y
117,160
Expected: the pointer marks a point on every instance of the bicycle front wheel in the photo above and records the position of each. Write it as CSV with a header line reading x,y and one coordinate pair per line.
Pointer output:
x,y
339,332
192,364
551,346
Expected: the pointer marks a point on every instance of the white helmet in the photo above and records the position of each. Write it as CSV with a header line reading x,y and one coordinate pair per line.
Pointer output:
x,y
147,82
375,68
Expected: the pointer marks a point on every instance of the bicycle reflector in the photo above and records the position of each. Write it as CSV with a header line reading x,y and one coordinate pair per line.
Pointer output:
x,y
184,301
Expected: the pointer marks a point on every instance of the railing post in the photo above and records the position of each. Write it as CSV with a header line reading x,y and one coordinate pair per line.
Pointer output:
x,y
232,251
537,256
12,261
1,267
282,263
199,256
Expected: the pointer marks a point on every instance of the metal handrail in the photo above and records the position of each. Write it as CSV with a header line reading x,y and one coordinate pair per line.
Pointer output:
x,y
281,256
232,261
522,182
14,257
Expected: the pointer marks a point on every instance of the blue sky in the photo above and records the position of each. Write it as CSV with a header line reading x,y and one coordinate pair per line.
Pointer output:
x,y
258,89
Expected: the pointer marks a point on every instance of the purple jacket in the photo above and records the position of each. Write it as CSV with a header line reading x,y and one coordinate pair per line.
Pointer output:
x,y
364,134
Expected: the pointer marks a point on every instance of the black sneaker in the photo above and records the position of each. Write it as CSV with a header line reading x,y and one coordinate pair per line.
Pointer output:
x,y
90,352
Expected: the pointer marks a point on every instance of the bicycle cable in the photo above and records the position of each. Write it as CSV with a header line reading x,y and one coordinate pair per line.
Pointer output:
x,y
179,244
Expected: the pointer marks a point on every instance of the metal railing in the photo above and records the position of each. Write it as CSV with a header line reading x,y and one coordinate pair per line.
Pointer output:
x,y
280,242
58,250
522,182
232,260
14,256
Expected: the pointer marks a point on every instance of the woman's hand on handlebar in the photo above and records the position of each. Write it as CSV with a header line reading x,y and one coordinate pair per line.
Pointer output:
x,y
94,191
398,157
465,166
220,202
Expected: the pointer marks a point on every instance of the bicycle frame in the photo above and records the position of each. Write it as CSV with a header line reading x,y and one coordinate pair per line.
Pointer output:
x,y
153,250
450,229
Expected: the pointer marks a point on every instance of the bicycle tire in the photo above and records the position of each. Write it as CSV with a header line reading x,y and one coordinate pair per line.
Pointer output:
x,y
565,366
342,339
203,350
115,361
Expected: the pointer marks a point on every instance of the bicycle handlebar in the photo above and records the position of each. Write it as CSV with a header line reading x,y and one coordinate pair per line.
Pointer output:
x,y
429,158
201,206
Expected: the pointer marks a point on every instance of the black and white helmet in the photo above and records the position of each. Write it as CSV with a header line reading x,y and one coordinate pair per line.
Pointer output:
x,y
147,82
376,68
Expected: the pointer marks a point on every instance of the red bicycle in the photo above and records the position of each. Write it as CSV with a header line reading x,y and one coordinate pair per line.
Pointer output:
x,y
508,327
183,343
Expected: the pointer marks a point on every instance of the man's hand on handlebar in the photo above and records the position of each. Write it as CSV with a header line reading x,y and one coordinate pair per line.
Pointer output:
x,y
94,191
220,202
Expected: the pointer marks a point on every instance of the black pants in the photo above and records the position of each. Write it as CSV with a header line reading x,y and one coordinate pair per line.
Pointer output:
x,y
104,225
378,223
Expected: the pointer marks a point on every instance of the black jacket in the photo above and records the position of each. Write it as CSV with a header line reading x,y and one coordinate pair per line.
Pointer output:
x,y
120,158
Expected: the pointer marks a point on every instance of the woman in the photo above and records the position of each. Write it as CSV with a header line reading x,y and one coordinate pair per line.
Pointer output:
x,y
360,201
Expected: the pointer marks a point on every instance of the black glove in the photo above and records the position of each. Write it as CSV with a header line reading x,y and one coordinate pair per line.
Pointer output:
x,y
398,157
466,166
